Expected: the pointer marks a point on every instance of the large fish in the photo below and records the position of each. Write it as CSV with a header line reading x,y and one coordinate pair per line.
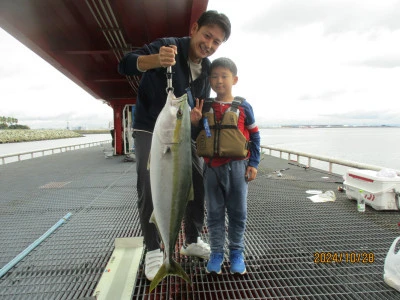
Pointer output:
x,y
171,178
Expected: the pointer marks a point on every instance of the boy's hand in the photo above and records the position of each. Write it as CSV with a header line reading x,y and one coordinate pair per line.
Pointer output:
x,y
166,56
251,173
196,112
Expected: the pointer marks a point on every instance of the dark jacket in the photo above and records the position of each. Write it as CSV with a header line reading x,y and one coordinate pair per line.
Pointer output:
x,y
152,93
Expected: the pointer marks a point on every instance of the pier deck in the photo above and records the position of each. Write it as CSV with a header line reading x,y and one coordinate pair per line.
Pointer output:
x,y
285,229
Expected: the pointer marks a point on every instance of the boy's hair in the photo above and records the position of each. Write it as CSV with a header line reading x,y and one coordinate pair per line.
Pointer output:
x,y
225,63
212,17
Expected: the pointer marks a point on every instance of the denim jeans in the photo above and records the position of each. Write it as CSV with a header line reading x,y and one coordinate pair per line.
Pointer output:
x,y
226,189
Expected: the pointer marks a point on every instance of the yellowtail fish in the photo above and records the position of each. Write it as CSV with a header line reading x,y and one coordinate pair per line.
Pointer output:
x,y
171,179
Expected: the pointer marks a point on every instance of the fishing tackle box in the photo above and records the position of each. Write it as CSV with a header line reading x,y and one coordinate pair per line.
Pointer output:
x,y
379,192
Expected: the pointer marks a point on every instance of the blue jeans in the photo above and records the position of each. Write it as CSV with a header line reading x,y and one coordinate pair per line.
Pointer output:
x,y
226,188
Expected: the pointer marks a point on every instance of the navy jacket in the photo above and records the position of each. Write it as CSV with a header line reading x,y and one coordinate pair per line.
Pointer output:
x,y
152,93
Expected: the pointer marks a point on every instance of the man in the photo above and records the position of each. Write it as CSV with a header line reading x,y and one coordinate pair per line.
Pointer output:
x,y
190,65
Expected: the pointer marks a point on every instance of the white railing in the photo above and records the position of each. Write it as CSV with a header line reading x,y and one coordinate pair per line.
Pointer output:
x,y
48,151
305,160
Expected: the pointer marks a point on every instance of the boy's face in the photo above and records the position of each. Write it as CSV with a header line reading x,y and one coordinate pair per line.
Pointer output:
x,y
204,41
222,80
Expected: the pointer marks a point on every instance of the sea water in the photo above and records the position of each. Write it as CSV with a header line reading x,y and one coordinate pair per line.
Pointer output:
x,y
368,145
11,148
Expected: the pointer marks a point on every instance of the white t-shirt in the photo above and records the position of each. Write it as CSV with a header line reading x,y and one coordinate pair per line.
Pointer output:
x,y
195,69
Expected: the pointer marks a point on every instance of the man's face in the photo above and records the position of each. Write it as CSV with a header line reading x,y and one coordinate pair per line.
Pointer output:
x,y
205,41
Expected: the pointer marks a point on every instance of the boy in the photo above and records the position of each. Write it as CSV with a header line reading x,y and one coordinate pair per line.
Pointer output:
x,y
229,163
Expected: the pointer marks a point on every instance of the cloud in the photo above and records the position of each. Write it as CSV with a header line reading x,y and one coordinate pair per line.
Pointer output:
x,y
334,16
39,96
356,117
366,117
384,62
325,96
384,114
62,120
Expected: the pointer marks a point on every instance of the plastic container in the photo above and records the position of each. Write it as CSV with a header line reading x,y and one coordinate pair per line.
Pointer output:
x,y
391,273
378,192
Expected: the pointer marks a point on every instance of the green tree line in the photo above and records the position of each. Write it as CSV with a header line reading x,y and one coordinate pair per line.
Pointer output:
x,y
11,123
8,120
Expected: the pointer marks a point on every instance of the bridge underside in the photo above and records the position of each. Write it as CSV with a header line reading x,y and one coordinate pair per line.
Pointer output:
x,y
85,40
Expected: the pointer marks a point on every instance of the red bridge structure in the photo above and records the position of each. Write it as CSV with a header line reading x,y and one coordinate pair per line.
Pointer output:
x,y
85,39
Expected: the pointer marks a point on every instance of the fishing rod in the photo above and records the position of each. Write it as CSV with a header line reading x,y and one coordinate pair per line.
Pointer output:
x,y
298,165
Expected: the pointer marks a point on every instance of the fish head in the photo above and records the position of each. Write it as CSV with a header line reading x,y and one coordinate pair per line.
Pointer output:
x,y
174,120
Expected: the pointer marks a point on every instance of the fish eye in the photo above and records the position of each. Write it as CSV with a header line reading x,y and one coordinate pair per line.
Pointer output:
x,y
179,113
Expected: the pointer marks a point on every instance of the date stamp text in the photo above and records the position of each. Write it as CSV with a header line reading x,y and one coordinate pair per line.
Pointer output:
x,y
344,257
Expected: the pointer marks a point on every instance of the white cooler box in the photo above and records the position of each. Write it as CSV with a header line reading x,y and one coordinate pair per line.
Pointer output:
x,y
379,192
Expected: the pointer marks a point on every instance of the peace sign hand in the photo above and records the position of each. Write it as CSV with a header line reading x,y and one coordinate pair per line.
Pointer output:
x,y
196,112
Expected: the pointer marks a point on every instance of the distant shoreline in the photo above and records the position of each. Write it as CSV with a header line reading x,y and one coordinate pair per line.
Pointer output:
x,y
29,135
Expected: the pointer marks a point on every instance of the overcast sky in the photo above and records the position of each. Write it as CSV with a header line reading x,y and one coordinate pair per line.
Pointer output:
x,y
40,96
309,61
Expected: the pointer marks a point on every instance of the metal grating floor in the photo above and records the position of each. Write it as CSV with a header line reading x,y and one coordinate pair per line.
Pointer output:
x,y
284,231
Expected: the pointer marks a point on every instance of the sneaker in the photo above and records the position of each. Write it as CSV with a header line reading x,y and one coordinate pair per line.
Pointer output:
x,y
237,262
215,262
153,261
199,249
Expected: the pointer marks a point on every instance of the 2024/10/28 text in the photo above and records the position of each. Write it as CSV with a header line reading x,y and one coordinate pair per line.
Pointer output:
x,y
344,257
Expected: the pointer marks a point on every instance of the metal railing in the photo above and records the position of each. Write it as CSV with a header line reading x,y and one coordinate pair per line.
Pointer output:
x,y
311,160
48,151
282,153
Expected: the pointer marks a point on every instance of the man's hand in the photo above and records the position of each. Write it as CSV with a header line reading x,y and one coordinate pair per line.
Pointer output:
x,y
251,173
196,112
166,56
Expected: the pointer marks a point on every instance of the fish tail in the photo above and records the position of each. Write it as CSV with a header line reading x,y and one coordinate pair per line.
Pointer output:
x,y
191,193
173,269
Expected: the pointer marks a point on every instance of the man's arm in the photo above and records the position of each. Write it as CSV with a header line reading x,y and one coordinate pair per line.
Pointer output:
x,y
139,61
165,58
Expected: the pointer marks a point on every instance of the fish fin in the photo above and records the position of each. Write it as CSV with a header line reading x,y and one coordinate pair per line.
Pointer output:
x,y
152,218
154,221
173,269
191,193
162,272
166,149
